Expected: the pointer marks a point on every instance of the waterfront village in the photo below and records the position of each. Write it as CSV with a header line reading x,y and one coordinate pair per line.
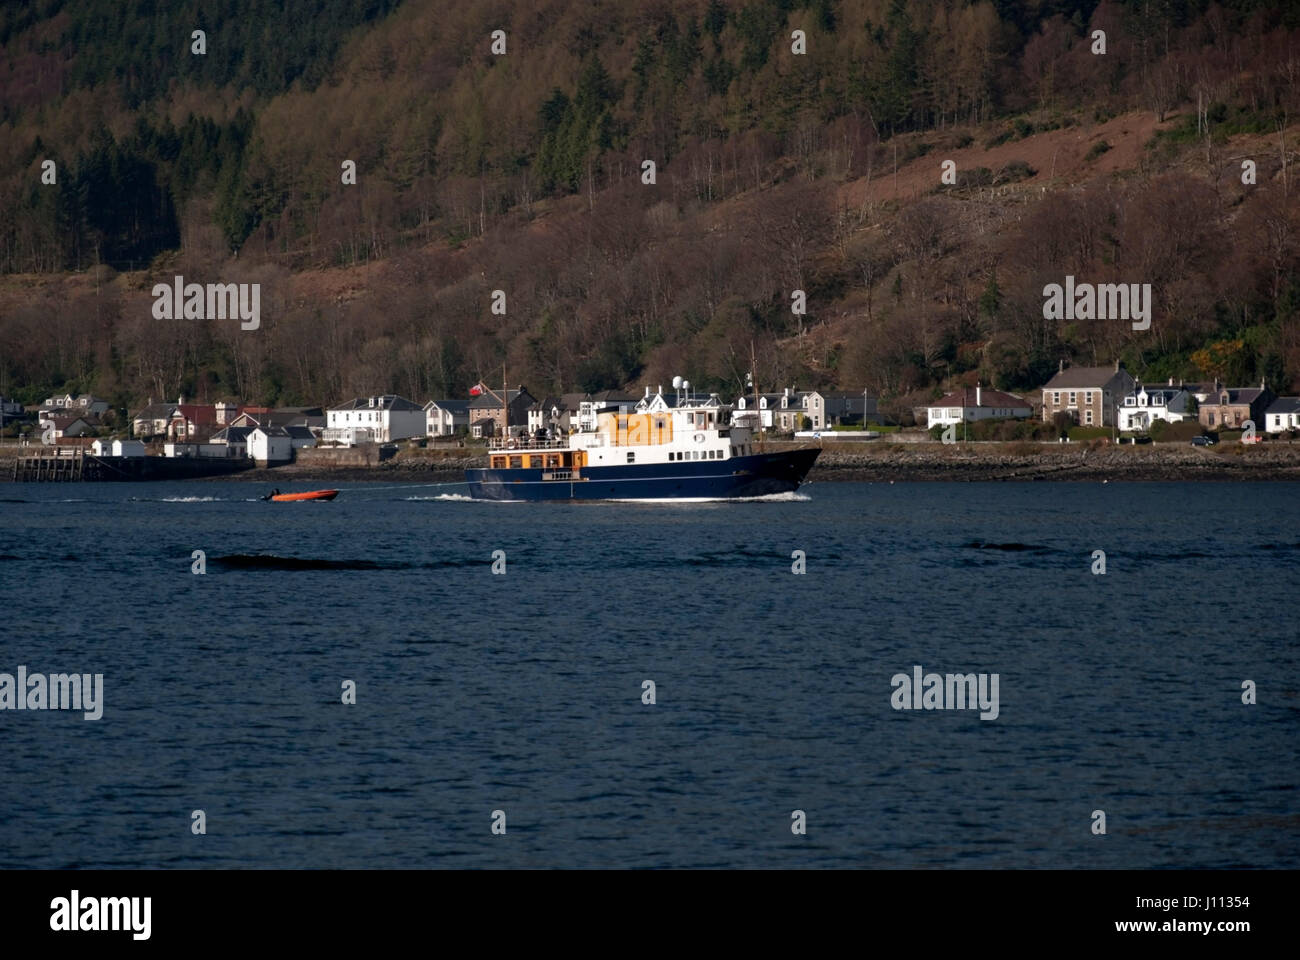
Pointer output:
x,y
1097,401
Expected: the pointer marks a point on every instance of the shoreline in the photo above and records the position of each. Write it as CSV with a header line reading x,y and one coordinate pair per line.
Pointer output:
x,y
881,461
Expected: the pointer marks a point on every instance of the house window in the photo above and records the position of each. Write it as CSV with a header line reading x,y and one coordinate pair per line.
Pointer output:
x,y
1211,419
1087,417
1073,399
1056,397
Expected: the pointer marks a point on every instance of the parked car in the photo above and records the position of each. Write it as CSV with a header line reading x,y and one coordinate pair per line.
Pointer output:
x,y
1203,441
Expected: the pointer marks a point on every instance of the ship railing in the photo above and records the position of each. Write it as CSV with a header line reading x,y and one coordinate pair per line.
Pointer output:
x,y
515,443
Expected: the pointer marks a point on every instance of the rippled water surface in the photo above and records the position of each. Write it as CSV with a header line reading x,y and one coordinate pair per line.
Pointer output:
x,y
523,692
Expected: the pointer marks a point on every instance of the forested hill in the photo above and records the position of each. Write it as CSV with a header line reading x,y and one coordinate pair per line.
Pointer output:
x,y
783,163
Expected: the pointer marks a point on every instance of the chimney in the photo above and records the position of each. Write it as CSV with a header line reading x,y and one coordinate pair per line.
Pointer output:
x,y
1171,381
1060,365
977,393
1117,365
180,400
647,391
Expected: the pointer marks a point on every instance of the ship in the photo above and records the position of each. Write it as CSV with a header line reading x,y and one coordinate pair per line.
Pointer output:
x,y
689,449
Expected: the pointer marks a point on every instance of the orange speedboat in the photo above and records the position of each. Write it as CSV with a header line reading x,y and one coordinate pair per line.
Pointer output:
x,y
309,495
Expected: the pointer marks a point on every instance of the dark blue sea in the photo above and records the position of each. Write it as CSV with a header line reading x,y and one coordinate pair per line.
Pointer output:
x,y
522,692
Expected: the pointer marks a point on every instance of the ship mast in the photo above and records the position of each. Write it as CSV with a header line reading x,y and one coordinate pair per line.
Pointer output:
x,y
753,376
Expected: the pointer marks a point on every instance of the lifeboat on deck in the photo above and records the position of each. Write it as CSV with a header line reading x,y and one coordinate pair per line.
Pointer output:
x,y
309,495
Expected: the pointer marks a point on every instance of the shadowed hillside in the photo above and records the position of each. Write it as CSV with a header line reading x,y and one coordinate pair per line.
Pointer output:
x,y
523,172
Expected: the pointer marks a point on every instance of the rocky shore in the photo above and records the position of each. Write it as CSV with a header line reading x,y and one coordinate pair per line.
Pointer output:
x,y
1025,461
879,461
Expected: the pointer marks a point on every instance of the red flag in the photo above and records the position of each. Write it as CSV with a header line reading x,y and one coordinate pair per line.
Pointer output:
x,y
475,391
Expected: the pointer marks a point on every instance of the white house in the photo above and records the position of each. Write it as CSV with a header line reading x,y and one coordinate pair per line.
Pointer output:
x,y
557,414
64,426
590,406
270,445
827,407
442,418
978,404
58,403
774,411
1283,414
1147,404
128,448
380,419
192,449
84,405
234,439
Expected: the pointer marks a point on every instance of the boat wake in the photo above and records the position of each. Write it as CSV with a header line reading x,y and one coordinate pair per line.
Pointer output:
x,y
789,496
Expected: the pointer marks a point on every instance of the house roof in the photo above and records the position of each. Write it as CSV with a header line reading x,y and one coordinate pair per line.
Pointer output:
x,y
490,399
1075,377
271,431
299,432
276,418
62,423
156,411
1284,405
231,435
988,397
1163,389
612,396
451,406
1245,395
839,394
198,412
388,401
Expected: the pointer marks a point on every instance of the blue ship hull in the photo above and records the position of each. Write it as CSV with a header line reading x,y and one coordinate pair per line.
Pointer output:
x,y
758,475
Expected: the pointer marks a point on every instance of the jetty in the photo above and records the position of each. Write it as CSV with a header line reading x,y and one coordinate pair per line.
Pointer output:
x,y
74,464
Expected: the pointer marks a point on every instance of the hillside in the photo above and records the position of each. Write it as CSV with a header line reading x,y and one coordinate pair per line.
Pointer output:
x,y
775,172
